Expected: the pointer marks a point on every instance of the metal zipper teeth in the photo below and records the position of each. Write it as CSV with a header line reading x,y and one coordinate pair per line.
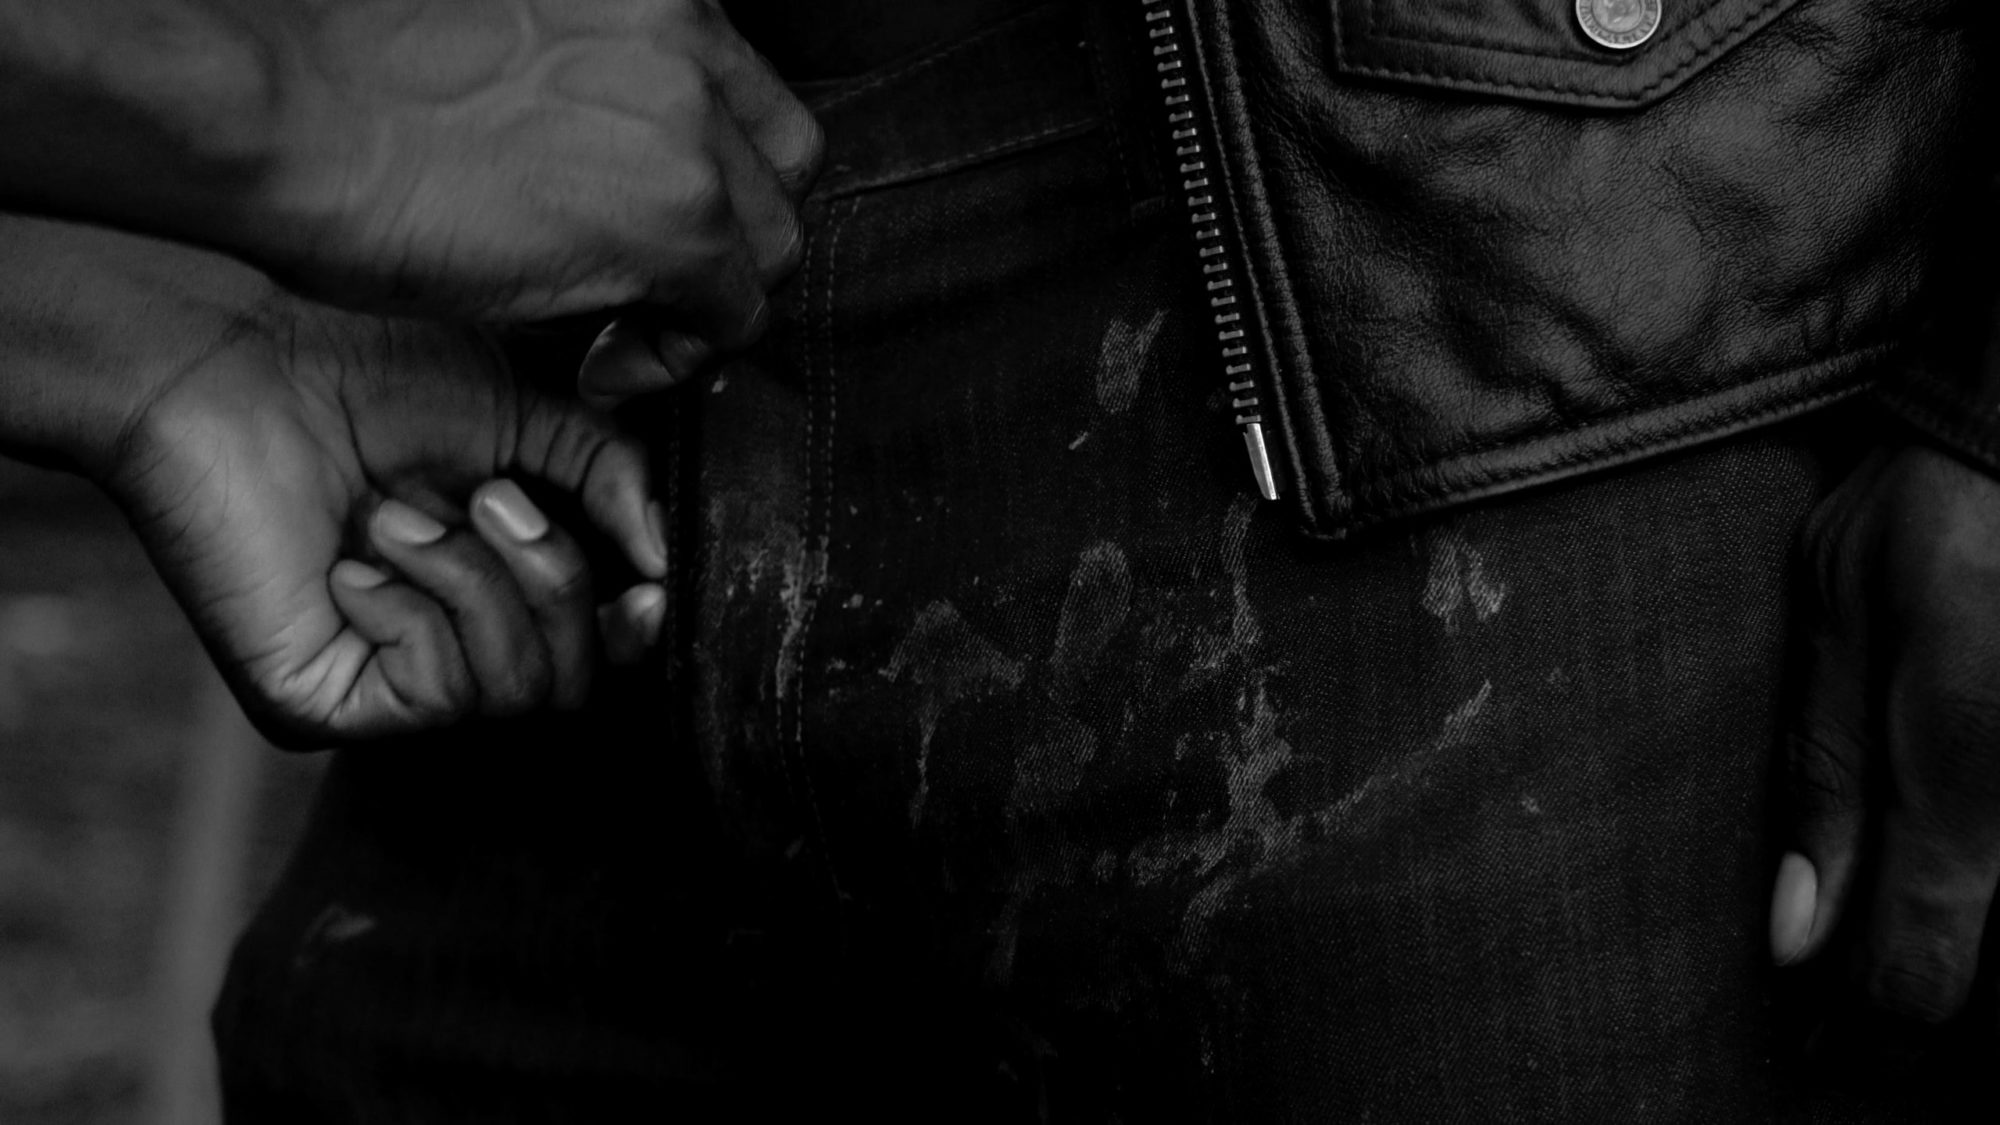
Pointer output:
x,y
1205,210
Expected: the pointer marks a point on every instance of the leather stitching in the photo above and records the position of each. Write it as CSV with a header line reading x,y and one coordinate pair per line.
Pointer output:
x,y
1406,485
1625,59
1465,79
816,530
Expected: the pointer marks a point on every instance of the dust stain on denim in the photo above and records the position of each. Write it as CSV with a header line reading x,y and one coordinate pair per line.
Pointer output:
x,y
948,662
1366,806
1196,736
1254,839
803,576
1458,581
1094,609
1122,359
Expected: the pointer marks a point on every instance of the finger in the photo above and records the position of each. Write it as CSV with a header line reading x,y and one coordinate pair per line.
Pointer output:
x,y
635,355
777,123
768,216
705,275
1826,765
715,297
412,674
554,579
504,650
631,625
1940,852
586,454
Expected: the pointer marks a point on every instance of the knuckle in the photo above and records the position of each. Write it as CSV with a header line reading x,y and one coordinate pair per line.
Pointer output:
x,y
570,585
1823,767
788,247
1962,720
800,148
519,688
698,191
1916,980
685,90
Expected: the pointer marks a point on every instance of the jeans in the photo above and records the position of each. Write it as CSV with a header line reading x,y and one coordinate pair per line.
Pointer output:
x,y
1007,760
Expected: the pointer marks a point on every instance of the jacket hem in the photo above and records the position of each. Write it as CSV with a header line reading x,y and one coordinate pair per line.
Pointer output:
x,y
1752,405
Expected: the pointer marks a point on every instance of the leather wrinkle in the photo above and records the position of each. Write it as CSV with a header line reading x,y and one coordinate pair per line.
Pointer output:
x,y
1466,296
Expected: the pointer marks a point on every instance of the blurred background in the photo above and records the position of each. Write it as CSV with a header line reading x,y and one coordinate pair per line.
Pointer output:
x,y
141,820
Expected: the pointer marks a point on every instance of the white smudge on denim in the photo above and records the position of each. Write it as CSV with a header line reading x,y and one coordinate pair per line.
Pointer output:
x,y
948,661
1458,579
1121,359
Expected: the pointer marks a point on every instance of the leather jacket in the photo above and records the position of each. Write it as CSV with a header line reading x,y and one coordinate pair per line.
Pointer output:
x,y
1484,251
1459,247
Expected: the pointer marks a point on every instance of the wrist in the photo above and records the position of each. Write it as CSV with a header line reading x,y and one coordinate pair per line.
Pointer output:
x,y
101,323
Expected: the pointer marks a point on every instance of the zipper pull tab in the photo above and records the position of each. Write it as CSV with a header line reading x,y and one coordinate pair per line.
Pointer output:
x,y
1260,460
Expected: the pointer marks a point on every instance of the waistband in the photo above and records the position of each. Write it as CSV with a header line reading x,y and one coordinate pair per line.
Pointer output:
x,y
1031,79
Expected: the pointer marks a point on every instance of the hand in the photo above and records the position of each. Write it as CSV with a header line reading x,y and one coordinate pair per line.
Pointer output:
x,y
328,495
526,159
1894,752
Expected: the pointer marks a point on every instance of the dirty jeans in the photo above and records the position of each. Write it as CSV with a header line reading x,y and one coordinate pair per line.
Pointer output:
x,y
1007,760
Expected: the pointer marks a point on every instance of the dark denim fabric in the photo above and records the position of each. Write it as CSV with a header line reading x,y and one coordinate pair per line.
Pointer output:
x,y
1009,761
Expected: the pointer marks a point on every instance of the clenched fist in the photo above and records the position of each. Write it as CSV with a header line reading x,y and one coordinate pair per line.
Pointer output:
x,y
476,159
530,158
335,498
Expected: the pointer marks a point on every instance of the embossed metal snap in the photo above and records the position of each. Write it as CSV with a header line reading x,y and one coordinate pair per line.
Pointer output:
x,y
1618,24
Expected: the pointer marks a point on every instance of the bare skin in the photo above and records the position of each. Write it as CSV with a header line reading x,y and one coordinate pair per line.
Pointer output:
x,y
490,160
331,496
1894,776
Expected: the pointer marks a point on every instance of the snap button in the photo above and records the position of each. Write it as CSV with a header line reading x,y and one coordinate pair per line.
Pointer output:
x,y
1618,24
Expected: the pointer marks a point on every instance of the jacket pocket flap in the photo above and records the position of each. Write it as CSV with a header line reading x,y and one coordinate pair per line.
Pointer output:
x,y
1609,54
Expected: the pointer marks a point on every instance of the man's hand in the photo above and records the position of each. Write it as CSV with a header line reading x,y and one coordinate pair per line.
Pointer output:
x,y
332,496
328,497
532,158
1895,745
485,159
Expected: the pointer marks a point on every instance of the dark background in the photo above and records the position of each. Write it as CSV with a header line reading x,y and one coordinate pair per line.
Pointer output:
x,y
140,820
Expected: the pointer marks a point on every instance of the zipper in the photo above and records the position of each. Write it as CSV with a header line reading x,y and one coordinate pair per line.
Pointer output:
x,y
1206,206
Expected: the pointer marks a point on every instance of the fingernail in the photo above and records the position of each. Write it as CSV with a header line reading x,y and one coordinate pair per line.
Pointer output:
x,y
400,523
649,609
357,575
1793,900
513,511
656,535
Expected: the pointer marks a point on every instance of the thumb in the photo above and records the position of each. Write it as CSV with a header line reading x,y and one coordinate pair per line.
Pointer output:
x,y
1826,748
639,354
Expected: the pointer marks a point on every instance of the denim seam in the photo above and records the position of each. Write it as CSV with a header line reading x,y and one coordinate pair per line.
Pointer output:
x,y
1059,131
817,529
925,62
1112,125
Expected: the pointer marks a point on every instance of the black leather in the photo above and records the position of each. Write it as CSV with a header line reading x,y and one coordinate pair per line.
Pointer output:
x,y
1488,253
1535,49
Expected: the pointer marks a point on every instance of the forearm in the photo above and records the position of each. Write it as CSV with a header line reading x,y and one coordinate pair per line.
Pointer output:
x,y
92,321
157,115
